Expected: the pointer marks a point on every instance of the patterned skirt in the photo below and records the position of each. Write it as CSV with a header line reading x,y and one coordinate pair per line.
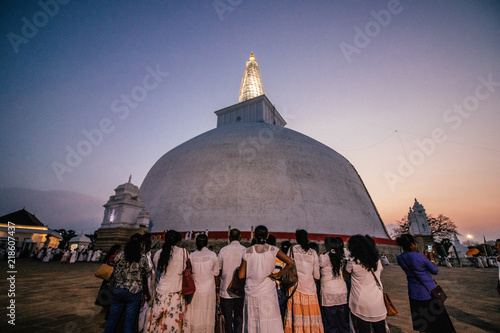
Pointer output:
x,y
167,314
303,314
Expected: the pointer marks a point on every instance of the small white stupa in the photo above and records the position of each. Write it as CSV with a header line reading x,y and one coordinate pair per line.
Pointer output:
x,y
461,249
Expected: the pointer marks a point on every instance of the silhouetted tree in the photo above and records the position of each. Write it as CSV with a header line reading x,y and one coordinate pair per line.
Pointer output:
x,y
442,227
66,235
92,237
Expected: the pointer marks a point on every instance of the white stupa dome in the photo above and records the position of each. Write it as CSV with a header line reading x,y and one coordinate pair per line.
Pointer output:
x,y
251,170
219,179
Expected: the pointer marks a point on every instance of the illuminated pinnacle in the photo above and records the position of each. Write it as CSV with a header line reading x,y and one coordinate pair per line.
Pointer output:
x,y
251,84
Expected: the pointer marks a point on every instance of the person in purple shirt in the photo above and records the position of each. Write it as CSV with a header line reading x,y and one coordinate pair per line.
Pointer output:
x,y
427,316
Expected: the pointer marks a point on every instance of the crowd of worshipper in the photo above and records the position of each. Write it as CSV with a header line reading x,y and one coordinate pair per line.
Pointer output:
x,y
68,255
339,290
483,261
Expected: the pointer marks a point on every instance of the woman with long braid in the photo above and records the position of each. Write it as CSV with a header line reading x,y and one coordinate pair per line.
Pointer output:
x,y
334,309
303,313
169,306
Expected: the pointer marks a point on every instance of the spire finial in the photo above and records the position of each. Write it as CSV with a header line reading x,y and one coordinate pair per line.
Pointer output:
x,y
252,58
130,179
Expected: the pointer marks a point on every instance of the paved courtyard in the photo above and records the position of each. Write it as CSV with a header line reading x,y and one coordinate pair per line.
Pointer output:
x,y
50,297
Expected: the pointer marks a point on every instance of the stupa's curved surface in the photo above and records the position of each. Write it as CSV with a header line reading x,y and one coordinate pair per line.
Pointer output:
x,y
251,170
247,174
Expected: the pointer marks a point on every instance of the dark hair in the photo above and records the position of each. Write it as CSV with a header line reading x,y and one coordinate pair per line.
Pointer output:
x,y
133,250
147,242
172,237
271,240
111,251
201,241
405,241
285,245
261,234
335,248
363,251
234,234
314,246
302,239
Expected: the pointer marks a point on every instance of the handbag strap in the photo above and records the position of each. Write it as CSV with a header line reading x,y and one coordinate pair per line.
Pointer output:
x,y
415,275
376,280
187,261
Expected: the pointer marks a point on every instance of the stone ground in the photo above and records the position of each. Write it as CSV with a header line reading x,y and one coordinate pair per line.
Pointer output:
x,y
51,297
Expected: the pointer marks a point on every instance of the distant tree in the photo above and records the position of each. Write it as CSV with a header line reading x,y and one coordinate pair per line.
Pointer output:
x,y
442,227
66,235
92,237
470,243
403,227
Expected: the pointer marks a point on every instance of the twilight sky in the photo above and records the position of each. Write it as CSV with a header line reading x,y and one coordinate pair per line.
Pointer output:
x,y
408,92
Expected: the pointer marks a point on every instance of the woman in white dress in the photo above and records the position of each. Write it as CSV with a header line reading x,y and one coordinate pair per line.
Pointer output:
x,y
334,309
366,300
40,254
74,256
200,313
48,255
83,255
64,258
261,311
90,253
96,256
168,305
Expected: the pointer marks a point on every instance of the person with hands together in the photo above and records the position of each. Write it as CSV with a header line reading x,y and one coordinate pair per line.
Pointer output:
x,y
261,311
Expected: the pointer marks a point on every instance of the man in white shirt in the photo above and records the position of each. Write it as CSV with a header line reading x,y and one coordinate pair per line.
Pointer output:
x,y
232,305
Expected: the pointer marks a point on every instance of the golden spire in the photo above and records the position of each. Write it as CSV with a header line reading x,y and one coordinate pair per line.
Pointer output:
x,y
251,84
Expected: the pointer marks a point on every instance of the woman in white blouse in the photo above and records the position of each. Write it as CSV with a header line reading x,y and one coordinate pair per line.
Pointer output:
x,y
261,312
168,305
334,309
303,313
200,314
366,301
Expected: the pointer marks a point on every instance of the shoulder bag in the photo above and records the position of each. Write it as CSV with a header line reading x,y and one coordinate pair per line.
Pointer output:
x,y
291,276
237,285
220,321
391,309
188,286
437,294
104,272
290,279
